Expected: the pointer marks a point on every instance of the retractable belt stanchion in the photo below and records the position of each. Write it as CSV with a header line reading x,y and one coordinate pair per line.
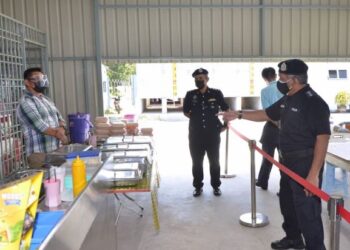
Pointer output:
x,y
335,219
253,219
226,175
336,208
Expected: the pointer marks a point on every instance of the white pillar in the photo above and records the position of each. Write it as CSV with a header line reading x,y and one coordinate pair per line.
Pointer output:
x,y
164,105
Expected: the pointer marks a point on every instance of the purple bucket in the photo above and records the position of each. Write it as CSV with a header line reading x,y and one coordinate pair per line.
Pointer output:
x,y
79,127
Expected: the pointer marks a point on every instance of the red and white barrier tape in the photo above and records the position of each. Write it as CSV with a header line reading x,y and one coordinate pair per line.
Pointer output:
x,y
315,190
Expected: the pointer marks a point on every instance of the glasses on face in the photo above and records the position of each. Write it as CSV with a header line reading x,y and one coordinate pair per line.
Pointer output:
x,y
38,78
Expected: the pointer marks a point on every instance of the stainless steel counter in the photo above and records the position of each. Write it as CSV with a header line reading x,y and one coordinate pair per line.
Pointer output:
x,y
338,152
70,232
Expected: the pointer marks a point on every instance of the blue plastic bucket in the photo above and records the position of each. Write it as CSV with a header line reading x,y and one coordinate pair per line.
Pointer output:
x,y
79,127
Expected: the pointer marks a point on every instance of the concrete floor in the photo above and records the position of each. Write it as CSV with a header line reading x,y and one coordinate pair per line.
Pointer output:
x,y
207,222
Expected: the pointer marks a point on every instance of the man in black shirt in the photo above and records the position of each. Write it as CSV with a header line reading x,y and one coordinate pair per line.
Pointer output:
x,y
304,136
202,106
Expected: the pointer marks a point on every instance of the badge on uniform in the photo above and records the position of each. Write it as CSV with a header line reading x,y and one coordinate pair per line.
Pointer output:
x,y
309,94
283,67
212,100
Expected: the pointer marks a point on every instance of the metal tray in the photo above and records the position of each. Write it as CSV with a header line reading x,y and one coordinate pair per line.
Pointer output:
x,y
133,166
133,154
66,149
114,140
58,157
117,178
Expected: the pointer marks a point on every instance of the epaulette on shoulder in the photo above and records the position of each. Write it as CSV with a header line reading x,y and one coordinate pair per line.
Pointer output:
x,y
309,93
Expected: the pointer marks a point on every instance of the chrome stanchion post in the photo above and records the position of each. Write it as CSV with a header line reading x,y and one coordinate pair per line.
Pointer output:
x,y
253,219
226,175
335,219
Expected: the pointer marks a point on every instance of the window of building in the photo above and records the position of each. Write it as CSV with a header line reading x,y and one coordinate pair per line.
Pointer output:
x,y
332,74
343,74
337,74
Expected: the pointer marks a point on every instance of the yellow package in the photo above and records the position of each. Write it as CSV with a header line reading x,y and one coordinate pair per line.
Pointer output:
x,y
13,203
32,205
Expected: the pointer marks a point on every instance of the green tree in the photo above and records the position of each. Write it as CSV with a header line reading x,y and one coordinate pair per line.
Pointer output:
x,y
119,74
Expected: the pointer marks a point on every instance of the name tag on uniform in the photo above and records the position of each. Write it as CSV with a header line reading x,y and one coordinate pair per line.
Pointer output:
x,y
294,109
212,100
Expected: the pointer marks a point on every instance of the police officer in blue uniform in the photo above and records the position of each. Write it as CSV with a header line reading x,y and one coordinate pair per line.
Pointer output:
x,y
202,105
304,136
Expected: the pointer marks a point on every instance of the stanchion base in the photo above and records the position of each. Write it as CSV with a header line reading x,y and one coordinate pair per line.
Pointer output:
x,y
260,221
228,176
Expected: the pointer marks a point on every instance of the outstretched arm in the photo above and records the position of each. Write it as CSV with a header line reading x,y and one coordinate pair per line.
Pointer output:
x,y
257,115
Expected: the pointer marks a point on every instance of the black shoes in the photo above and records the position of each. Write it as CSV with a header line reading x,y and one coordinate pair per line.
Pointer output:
x,y
286,243
217,191
258,184
197,192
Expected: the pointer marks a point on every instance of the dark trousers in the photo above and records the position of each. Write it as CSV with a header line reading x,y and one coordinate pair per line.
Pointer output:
x,y
270,141
266,165
201,143
301,214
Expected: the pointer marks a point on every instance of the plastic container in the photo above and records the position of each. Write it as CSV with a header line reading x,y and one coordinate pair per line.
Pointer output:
x,y
129,117
60,173
79,126
79,176
89,157
52,192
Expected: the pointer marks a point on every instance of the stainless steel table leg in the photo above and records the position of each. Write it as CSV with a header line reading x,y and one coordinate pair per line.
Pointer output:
x,y
133,200
119,209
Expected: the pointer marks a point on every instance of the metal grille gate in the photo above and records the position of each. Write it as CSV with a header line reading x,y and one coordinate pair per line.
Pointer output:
x,y
21,46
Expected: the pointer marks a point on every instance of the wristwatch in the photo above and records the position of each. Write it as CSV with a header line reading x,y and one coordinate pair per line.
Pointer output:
x,y
240,114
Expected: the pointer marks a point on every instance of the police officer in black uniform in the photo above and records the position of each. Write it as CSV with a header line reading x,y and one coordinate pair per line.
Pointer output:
x,y
304,136
202,106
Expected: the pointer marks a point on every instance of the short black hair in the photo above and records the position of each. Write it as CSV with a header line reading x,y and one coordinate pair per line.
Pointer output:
x,y
268,73
29,72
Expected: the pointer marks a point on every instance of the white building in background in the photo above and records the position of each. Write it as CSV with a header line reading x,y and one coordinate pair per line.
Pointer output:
x,y
166,81
328,79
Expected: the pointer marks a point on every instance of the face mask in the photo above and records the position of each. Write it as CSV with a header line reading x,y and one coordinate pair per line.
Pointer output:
x,y
283,87
41,85
199,84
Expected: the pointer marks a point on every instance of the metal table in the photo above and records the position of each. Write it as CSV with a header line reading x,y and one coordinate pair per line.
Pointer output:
x,y
338,156
81,214
149,183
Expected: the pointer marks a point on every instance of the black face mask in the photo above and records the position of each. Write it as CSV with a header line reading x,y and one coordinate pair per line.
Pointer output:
x,y
39,89
282,87
199,84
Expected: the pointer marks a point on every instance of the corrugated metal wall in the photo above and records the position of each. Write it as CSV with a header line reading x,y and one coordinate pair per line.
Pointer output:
x,y
225,29
69,28
167,29
177,30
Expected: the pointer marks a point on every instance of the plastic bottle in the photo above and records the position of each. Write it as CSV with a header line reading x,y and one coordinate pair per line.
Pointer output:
x,y
78,175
